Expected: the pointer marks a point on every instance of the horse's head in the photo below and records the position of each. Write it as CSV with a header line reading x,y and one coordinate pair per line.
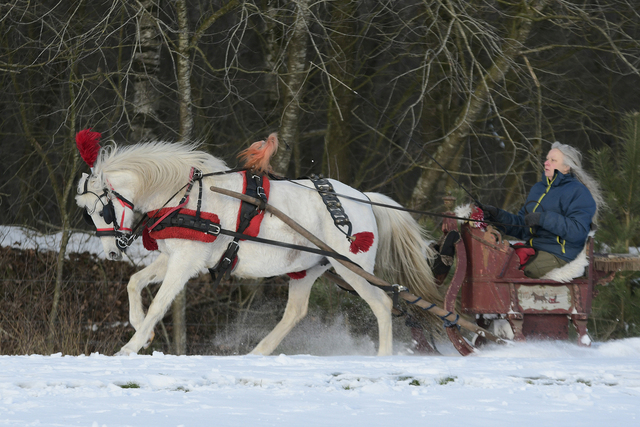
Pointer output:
x,y
109,211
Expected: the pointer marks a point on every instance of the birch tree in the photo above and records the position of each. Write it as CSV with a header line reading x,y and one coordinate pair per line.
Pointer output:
x,y
146,62
297,68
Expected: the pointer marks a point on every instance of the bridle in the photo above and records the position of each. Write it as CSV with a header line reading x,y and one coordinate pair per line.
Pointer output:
x,y
123,236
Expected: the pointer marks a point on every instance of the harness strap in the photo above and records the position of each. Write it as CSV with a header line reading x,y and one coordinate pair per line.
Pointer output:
x,y
195,175
331,201
248,211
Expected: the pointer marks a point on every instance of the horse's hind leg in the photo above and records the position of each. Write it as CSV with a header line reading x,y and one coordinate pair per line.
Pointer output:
x,y
296,309
379,302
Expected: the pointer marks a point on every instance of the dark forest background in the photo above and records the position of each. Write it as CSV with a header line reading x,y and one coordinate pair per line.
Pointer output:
x,y
377,94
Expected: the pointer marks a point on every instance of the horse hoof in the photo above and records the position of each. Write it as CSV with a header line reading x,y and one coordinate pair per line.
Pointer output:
x,y
148,343
124,352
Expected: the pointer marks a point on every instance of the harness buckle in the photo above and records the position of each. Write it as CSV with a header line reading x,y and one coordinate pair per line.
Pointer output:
x,y
197,174
123,242
214,229
229,255
263,197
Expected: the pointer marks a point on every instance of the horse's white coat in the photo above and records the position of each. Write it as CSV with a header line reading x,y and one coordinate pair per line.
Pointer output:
x,y
149,174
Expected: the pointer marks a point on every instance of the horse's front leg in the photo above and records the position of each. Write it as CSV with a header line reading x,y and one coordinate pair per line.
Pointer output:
x,y
153,273
179,268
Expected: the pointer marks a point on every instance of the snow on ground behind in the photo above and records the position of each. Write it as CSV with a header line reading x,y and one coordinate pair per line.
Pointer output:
x,y
79,242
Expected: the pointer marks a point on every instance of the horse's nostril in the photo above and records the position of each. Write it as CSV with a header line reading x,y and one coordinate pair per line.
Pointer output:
x,y
113,255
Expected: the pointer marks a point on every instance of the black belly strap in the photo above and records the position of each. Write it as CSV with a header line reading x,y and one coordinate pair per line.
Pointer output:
x,y
247,212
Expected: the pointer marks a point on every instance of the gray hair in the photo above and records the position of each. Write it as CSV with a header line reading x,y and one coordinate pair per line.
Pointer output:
x,y
573,159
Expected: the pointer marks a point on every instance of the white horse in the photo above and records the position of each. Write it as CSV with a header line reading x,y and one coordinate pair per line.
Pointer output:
x,y
145,177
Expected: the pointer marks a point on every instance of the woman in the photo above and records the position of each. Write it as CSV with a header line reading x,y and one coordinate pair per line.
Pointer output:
x,y
557,217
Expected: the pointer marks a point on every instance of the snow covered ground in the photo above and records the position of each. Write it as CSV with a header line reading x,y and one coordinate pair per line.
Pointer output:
x,y
24,238
531,384
536,384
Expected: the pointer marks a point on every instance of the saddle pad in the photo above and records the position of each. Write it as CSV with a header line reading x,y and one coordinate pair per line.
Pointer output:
x,y
182,232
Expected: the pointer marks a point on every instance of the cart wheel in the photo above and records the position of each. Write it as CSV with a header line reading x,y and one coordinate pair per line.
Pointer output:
x,y
453,332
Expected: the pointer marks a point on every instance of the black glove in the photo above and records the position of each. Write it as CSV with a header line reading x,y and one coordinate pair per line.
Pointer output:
x,y
532,219
490,212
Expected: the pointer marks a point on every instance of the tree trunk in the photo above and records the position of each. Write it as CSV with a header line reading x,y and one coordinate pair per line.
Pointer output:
x,y
296,74
474,106
271,48
185,102
146,62
337,162
185,134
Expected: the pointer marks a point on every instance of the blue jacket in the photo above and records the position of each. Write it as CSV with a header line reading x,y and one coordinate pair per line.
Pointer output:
x,y
567,209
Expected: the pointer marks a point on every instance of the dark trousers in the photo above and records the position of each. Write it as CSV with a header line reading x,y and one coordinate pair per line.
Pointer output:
x,y
541,264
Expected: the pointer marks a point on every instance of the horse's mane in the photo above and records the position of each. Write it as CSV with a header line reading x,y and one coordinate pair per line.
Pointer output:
x,y
160,166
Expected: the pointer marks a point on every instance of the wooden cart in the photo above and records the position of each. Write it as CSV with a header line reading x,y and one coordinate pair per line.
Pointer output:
x,y
488,281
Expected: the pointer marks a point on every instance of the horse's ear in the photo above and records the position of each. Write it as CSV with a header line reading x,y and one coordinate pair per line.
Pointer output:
x,y
82,183
88,143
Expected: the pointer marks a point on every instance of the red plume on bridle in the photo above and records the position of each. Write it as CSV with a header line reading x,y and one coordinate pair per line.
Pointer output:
x,y
88,143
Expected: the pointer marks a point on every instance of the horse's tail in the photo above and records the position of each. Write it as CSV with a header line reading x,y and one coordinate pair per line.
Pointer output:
x,y
403,252
258,155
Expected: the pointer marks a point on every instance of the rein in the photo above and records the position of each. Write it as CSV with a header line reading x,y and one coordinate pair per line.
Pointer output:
x,y
398,208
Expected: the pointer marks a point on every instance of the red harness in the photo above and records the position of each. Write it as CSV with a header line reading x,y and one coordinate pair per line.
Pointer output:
x,y
184,232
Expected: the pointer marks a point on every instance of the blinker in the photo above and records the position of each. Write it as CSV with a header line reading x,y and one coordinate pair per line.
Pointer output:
x,y
108,213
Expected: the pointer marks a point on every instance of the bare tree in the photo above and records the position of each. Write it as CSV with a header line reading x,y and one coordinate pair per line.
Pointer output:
x,y
337,162
297,68
146,62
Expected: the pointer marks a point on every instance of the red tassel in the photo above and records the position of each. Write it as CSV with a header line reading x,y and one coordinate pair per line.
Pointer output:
x,y
361,242
298,275
148,242
88,143
258,155
477,213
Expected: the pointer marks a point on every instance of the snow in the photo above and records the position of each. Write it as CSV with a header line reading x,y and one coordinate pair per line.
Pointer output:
x,y
24,238
524,384
528,384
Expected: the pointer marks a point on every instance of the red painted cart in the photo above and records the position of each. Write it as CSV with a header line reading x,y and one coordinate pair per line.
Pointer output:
x,y
488,281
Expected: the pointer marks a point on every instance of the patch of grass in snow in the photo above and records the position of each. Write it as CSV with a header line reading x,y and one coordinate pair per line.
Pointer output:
x,y
446,380
130,384
542,380
181,388
412,382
